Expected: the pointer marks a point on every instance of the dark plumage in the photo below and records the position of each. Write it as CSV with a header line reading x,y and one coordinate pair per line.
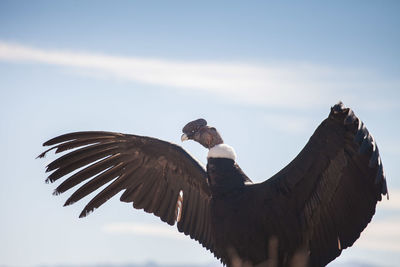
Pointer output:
x,y
308,212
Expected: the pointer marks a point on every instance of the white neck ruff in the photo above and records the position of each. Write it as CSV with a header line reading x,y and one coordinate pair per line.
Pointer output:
x,y
222,151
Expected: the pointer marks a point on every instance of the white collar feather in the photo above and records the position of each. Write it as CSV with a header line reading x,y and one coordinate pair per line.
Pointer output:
x,y
222,151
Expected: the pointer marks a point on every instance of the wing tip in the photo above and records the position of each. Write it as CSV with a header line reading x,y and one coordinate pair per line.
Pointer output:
x,y
341,110
365,141
338,107
85,212
41,155
56,192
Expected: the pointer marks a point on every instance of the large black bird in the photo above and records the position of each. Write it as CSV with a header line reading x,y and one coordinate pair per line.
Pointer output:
x,y
313,208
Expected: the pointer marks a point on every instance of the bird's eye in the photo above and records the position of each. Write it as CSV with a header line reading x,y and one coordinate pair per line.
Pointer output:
x,y
212,128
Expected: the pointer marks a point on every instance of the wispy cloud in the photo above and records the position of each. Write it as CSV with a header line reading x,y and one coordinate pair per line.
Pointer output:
x,y
381,235
144,229
393,203
290,124
296,85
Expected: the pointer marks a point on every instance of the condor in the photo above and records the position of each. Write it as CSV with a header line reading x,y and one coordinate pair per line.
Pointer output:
x,y
306,213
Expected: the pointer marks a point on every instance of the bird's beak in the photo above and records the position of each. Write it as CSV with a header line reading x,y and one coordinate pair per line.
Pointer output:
x,y
184,137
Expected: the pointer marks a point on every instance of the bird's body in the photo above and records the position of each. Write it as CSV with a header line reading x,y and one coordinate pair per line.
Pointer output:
x,y
232,211
302,216
235,208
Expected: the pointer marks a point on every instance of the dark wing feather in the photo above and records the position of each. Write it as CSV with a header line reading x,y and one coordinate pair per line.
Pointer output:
x,y
155,175
330,189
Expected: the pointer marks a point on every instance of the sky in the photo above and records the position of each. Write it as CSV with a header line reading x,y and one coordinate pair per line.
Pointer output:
x,y
264,73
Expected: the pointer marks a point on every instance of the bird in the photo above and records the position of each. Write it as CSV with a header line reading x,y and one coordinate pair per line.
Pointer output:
x,y
308,212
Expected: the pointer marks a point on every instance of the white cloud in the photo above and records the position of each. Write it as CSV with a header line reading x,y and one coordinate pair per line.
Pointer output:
x,y
298,85
289,123
381,235
393,203
144,229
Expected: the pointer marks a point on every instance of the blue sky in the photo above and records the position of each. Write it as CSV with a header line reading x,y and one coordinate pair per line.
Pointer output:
x,y
264,73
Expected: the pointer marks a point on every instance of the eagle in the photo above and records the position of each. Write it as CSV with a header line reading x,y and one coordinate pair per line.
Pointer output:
x,y
306,213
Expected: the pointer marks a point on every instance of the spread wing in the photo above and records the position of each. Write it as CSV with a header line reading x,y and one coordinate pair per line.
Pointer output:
x,y
157,176
328,193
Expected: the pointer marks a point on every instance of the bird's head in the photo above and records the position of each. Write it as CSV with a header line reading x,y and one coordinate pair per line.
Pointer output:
x,y
198,131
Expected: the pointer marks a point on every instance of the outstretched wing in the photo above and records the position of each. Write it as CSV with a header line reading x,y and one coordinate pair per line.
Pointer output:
x,y
157,176
328,193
